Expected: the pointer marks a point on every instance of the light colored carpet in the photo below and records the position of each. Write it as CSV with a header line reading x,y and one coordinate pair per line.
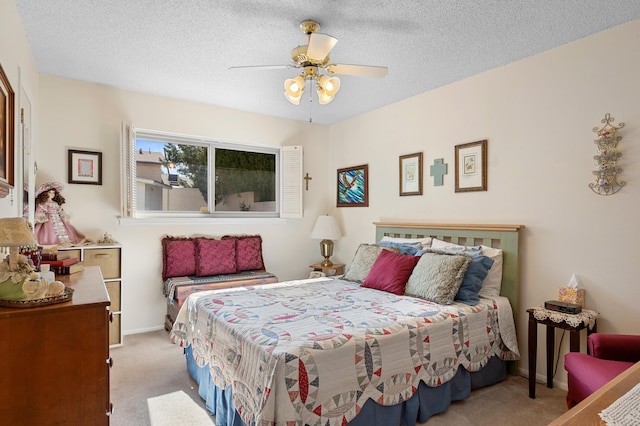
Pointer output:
x,y
150,366
177,408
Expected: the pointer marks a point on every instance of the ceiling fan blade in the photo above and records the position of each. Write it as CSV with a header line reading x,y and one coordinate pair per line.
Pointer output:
x,y
263,67
358,70
319,46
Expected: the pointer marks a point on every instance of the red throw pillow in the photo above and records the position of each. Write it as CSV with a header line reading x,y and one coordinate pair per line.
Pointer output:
x,y
390,272
179,257
215,257
248,252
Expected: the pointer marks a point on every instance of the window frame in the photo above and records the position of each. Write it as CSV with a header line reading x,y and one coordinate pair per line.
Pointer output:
x,y
283,190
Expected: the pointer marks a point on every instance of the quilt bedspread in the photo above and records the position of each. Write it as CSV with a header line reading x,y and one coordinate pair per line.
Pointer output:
x,y
313,351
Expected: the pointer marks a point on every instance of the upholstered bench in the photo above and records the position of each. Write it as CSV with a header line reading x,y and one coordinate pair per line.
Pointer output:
x,y
191,264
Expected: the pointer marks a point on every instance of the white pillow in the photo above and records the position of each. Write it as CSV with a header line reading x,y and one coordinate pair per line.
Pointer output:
x,y
426,242
493,282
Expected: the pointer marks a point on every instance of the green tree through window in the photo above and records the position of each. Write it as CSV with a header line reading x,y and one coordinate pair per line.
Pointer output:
x,y
243,171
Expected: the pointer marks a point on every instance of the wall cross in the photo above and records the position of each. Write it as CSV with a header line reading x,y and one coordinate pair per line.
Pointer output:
x,y
307,178
438,170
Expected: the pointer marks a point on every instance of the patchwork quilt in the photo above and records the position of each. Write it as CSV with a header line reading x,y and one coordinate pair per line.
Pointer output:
x,y
313,351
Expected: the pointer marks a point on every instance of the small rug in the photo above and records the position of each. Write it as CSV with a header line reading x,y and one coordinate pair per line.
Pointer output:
x,y
177,408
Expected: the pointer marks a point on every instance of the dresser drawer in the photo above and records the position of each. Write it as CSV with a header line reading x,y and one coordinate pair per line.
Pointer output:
x,y
107,259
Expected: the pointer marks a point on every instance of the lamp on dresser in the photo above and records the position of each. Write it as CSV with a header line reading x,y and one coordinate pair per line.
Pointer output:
x,y
326,229
15,233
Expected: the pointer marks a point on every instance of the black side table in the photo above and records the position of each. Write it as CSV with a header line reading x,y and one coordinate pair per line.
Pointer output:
x,y
553,319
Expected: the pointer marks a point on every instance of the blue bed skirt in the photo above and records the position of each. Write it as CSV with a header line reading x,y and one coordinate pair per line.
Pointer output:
x,y
426,402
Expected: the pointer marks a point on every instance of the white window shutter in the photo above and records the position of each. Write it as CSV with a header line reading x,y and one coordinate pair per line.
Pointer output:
x,y
291,205
128,170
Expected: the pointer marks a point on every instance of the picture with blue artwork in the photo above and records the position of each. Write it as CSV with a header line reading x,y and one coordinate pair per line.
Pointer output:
x,y
353,190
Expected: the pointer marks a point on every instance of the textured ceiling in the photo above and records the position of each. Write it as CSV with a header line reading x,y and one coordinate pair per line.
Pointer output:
x,y
183,49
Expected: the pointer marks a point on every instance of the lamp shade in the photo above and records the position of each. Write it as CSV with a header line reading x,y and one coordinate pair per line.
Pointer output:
x,y
326,228
16,232
327,89
323,97
293,88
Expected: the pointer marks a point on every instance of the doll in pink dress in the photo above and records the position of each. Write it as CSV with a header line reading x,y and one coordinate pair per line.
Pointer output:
x,y
52,222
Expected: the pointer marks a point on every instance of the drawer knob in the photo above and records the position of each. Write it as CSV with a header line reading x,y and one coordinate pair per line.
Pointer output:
x,y
110,362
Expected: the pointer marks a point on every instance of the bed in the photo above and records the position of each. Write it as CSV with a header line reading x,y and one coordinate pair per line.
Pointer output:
x,y
328,351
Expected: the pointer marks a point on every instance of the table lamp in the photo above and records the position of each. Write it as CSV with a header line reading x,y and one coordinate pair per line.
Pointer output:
x,y
326,229
15,233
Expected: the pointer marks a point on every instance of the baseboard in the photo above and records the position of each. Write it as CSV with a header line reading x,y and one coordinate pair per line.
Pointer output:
x,y
542,379
143,330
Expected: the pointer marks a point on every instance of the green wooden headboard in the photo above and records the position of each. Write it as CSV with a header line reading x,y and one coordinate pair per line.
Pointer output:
x,y
505,237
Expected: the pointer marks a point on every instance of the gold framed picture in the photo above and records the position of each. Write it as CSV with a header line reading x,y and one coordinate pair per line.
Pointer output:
x,y
411,174
471,166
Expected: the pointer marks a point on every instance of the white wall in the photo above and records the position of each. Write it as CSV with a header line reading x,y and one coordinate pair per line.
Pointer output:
x,y
88,116
537,115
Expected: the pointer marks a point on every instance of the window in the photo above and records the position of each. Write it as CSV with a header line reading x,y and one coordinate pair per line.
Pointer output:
x,y
168,175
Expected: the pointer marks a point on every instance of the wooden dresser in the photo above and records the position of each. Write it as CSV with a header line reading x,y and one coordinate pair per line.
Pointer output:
x,y
54,360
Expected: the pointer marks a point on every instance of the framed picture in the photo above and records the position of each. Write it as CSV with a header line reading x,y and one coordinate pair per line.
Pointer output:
x,y
411,174
471,166
7,134
353,190
85,167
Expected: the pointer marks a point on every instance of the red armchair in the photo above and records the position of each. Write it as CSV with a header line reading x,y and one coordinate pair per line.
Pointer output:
x,y
608,355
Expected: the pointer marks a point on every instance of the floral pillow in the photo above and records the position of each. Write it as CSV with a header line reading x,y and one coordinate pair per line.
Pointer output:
x,y
215,257
178,257
410,249
248,252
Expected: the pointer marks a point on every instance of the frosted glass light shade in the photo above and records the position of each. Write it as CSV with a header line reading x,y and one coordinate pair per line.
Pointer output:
x,y
293,88
327,89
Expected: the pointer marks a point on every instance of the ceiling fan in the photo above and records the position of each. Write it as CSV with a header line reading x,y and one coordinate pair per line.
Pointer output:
x,y
312,58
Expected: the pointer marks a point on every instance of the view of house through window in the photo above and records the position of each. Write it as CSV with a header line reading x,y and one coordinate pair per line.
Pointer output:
x,y
180,176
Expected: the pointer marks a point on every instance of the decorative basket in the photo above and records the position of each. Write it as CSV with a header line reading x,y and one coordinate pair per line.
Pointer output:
x,y
34,303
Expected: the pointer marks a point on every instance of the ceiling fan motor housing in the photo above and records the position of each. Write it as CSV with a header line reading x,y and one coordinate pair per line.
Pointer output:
x,y
300,58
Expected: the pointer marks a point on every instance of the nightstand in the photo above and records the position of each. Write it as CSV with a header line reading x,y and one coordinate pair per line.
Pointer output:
x,y
335,269
553,319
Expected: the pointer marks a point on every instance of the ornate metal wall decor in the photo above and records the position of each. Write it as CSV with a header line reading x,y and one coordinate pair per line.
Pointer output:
x,y
606,182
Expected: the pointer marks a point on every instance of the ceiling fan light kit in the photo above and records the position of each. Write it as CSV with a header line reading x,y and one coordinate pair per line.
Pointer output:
x,y
313,57
293,88
327,88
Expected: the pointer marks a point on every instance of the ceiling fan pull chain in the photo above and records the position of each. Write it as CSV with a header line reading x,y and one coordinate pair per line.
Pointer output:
x,y
310,102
